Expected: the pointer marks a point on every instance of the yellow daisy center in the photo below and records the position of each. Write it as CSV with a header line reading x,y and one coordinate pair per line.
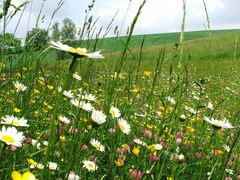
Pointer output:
x,y
122,127
90,166
8,139
218,124
97,146
113,112
76,50
16,123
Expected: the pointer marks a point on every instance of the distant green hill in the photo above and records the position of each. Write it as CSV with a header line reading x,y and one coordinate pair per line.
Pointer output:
x,y
114,44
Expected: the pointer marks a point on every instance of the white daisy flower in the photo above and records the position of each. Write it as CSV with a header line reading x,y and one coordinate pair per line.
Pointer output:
x,y
81,52
98,117
95,143
229,171
76,76
14,121
73,176
34,142
183,117
171,100
64,119
19,86
11,137
210,106
139,142
52,165
158,147
115,112
191,110
90,165
40,166
181,157
226,147
124,126
59,89
219,123
81,104
89,97
68,94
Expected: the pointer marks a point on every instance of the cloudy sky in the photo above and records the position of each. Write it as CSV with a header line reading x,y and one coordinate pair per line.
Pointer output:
x,y
158,16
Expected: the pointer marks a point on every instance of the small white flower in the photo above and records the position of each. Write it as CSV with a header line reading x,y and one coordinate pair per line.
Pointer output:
x,y
183,117
45,143
219,123
148,172
34,142
90,165
68,94
38,146
226,147
95,143
14,121
229,171
191,110
139,142
11,136
64,119
124,126
115,112
32,166
19,86
59,89
77,77
171,100
52,166
210,106
98,117
181,157
177,150
40,166
158,147
89,97
81,104
72,176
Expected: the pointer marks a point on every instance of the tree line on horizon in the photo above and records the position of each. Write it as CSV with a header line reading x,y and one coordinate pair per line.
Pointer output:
x,y
38,38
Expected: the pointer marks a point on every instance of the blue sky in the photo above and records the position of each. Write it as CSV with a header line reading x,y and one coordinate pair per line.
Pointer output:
x,y
158,16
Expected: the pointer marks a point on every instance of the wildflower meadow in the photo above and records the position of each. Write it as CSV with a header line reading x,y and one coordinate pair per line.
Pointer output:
x,y
81,104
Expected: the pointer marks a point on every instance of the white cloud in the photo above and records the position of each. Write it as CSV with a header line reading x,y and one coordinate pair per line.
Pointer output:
x,y
157,15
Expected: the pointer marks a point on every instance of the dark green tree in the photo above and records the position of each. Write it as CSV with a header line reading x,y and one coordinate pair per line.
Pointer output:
x,y
9,41
37,38
68,32
55,32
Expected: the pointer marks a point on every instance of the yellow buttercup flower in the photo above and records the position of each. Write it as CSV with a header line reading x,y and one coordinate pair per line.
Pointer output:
x,y
147,73
16,110
219,152
119,163
26,176
135,90
191,129
136,150
32,162
50,87
41,83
